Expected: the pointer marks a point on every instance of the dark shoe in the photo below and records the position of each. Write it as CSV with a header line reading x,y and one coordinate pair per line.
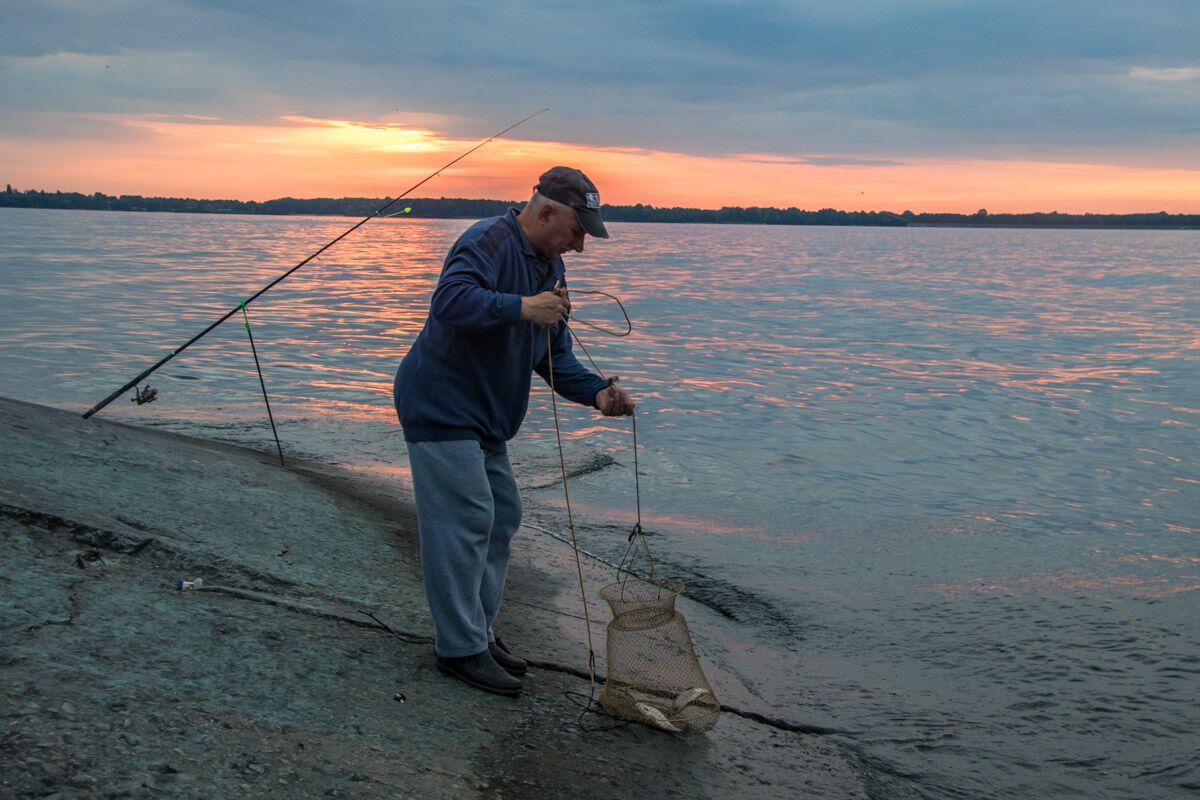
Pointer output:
x,y
481,672
511,664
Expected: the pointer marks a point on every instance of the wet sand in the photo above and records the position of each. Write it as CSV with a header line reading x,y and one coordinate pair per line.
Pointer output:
x,y
303,666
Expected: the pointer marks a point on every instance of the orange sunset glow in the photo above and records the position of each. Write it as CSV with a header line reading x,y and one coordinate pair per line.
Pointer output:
x,y
295,156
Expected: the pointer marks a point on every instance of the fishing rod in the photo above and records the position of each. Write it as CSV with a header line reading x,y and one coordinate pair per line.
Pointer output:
x,y
148,394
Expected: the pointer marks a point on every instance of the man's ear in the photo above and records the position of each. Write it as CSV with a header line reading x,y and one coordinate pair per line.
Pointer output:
x,y
546,213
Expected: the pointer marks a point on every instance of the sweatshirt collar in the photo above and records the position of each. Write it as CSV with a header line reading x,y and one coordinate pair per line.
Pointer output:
x,y
525,245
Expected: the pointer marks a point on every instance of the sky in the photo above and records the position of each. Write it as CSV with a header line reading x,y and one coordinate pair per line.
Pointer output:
x,y
922,105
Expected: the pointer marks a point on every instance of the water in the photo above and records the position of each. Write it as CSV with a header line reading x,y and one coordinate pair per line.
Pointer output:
x,y
947,482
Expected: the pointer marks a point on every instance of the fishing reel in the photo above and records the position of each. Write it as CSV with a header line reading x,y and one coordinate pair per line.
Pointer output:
x,y
143,396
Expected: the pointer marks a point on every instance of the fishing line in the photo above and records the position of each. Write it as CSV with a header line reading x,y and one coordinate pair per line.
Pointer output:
x,y
628,325
588,702
570,516
636,534
143,375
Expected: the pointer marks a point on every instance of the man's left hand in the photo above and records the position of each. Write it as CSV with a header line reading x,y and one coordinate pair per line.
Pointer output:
x,y
614,401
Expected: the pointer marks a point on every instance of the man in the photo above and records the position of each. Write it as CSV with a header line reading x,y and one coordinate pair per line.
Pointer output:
x,y
462,392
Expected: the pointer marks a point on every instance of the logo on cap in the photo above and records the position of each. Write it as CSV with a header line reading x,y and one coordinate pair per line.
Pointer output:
x,y
592,199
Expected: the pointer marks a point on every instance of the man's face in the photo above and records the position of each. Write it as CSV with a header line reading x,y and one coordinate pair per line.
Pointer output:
x,y
562,233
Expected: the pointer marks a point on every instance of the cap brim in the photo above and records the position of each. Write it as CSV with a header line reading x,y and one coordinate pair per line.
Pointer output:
x,y
592,222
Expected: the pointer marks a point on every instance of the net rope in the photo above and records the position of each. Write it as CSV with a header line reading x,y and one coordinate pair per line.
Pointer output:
x,y
653,675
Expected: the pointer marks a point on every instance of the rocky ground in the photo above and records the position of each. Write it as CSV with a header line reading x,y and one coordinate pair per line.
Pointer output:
x,y
302,667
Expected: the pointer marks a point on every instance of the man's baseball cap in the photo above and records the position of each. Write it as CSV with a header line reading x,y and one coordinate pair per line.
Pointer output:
x,y
572,188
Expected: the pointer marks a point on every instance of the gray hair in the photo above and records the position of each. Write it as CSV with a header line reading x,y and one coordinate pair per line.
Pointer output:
x,y
538,200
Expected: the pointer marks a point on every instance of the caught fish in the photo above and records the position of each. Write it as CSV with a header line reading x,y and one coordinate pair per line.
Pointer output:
x,y
687,696
645,697
656,717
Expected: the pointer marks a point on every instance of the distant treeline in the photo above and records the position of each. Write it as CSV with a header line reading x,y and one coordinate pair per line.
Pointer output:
x,y
460,208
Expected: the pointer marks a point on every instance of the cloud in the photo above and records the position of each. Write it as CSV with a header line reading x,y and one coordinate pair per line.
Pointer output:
x,y
818,161
135,81
877,81
1170,74
59,128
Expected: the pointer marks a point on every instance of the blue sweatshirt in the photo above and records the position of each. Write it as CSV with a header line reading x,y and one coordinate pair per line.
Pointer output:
x,y
469,371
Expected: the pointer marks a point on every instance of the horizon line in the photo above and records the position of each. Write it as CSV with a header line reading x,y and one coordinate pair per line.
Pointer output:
x,y
982,213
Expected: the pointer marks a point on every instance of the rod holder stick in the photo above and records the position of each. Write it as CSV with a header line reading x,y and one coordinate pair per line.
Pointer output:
x,y
263,384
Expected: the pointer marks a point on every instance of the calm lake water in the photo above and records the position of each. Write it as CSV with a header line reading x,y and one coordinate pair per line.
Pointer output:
x,y
946,481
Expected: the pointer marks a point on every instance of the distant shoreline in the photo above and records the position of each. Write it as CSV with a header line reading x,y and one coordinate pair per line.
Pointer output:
x,y
463,208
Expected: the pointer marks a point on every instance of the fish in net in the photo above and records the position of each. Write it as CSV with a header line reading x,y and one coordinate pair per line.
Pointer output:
x,y
653,674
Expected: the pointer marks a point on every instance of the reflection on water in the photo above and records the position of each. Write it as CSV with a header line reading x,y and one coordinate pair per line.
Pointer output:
x,y
964,463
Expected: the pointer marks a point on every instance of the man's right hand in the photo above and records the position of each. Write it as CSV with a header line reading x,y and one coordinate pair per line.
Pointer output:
x,y
546,309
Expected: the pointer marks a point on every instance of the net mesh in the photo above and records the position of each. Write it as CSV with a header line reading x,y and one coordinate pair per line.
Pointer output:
x,y
653,674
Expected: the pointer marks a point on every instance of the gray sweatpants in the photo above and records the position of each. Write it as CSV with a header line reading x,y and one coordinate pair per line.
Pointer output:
x,y
468,509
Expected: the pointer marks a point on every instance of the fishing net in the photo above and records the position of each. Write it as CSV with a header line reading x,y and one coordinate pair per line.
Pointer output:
x,y
654,676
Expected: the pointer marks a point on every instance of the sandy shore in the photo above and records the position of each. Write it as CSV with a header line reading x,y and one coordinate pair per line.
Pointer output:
x,y
304,666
